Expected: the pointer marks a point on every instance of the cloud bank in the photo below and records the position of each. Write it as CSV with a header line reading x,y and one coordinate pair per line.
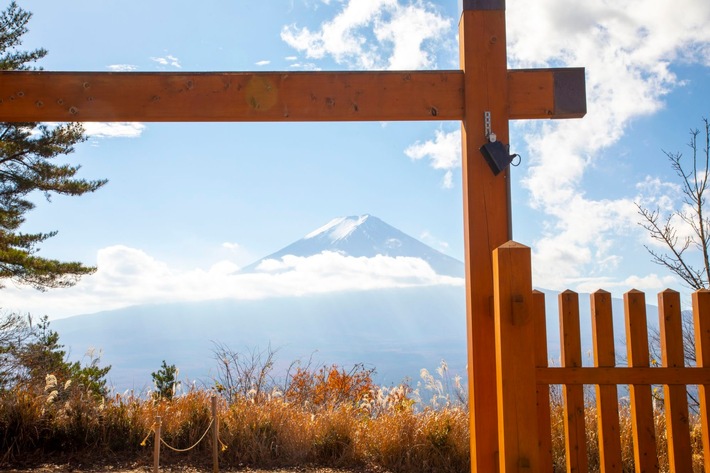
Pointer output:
x,y
628,49
129,276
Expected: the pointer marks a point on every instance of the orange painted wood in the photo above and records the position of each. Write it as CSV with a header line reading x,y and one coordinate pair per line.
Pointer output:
x,y
547,93
231,96
267,96
544,424
619,375
701,321
675,398
515,359
645,454
486,225
607,396
573,395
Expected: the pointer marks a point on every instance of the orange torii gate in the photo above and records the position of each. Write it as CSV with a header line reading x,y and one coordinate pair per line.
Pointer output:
x,y
484,95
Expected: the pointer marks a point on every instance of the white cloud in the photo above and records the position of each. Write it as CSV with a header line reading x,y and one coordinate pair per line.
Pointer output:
x,y
291,58
122,67
627,48
167,60
263,63
444,153
128,276
375,34
114,130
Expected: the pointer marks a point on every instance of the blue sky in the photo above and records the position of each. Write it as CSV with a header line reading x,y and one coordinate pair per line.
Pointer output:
x,y
188,204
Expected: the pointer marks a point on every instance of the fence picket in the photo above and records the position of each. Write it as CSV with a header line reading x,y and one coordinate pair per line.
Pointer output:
x,y
675,397
524,377
571,347
544,425
607,395
701,320
515,359
644,431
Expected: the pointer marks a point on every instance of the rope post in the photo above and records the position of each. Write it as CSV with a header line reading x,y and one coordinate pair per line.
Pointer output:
x,y
215,436
156,447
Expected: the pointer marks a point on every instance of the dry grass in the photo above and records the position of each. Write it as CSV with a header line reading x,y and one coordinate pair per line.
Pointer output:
x,y
376,429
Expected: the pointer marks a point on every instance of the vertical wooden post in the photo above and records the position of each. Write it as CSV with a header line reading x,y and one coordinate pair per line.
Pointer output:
x,y
544,423
571,347
644,431
607,395
215,436
675,397
515,359
486,209
701,320
156,446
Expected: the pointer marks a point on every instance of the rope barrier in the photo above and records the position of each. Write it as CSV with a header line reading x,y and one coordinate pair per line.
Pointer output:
x,y
150,431
180,450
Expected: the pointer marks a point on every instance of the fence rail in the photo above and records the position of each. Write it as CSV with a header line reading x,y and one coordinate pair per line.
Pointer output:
x,y
523,374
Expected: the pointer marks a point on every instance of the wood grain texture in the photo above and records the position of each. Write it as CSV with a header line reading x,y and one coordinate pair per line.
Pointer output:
x,y
643,426
701,322
607,395
486,225
27,96
544,421
571,347
675,398
515,359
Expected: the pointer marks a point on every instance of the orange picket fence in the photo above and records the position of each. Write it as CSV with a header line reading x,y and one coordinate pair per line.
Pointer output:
x,y
524,377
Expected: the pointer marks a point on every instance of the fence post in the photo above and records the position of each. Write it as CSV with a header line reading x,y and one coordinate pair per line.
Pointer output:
x,y
544,423
515,359
675,397
607,395
644,433
573,395
156,447
701,319
215,436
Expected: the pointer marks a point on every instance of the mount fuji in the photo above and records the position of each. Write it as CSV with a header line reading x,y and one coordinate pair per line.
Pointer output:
x,y
365,236
397,330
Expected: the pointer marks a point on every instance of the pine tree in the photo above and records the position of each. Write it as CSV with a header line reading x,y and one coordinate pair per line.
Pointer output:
x,y
165,380
26,167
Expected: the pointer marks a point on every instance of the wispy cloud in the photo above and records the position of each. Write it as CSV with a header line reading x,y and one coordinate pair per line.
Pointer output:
x,y
122,67
128,276
167,60
263,63
375,34
114,129
444,153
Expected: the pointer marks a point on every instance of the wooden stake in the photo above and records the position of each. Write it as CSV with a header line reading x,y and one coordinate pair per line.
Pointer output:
x,y
215,436
156,447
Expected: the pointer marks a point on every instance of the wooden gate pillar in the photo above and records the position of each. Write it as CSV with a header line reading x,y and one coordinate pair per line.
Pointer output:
x,y
486,210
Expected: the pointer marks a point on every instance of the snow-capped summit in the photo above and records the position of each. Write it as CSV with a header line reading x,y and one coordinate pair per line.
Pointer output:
x,y
338,228
366,236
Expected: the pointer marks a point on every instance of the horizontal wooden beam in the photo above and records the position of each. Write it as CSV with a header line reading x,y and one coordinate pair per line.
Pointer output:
x,y
624,375
547,93
30,96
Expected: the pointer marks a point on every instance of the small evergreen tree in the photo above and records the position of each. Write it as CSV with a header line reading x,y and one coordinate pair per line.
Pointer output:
x,y
26,167
165,380
30,352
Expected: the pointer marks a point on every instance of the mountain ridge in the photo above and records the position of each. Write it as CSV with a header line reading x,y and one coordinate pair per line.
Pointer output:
x,y
364,236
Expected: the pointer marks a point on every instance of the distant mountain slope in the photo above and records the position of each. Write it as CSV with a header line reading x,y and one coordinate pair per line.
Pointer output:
x,y
366,236
398,331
